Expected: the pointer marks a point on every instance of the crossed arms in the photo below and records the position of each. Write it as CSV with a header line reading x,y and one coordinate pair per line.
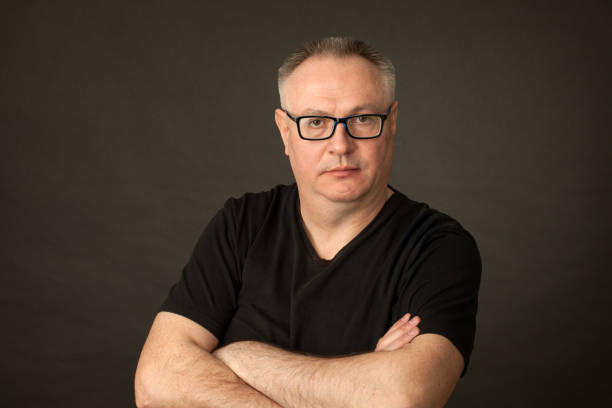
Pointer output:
x,y
180,367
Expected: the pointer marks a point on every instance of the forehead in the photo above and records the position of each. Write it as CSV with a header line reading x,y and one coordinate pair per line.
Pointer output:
x,y
335,85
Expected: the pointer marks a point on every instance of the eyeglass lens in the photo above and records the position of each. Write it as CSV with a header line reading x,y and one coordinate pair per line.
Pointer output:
x,y
316,127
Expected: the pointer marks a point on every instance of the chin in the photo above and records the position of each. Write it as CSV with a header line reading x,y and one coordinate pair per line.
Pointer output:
x,y
344,193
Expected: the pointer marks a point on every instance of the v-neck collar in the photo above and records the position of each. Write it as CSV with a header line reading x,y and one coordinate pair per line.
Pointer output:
x,y
387,208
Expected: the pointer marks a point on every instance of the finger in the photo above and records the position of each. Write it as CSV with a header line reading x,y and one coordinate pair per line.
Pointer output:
x,y
397,332
400,322
405,318
385,338
403,340
399,338
393,332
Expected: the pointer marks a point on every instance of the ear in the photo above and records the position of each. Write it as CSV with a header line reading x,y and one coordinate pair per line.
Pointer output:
x,y
392,118
280,118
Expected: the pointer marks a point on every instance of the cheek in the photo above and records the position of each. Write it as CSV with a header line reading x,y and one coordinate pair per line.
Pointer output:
x,y
375,155
292,148
288,145
301,158
379,157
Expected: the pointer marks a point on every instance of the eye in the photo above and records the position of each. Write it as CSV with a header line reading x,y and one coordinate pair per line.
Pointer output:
x,y
315,122
363,119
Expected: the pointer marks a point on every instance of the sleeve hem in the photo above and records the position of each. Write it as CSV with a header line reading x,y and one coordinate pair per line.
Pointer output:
x,y
197,317
466,354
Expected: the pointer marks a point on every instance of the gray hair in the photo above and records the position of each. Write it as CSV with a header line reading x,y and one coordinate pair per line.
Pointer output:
x,y
338,47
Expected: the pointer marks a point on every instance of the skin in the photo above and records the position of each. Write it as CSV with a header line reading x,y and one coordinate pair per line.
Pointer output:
x,y
181,366
421,374
342,185
338,87
342,181
176,369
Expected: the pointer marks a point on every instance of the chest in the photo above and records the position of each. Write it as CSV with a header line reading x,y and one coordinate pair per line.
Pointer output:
x,y
290,298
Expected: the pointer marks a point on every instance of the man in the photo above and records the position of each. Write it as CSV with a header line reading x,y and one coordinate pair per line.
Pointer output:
x,y
308,295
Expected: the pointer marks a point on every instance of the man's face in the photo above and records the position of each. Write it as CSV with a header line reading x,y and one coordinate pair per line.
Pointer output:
x,y
340,169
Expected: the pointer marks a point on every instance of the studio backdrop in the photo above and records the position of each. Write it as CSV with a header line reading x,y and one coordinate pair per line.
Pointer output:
x,y
126,125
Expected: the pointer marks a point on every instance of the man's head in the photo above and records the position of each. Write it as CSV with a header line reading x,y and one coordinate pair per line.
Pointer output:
x,y
338,77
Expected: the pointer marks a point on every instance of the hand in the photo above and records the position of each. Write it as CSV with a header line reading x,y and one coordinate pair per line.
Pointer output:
x,y
400,334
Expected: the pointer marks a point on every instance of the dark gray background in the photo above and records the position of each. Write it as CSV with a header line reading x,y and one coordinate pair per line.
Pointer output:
x,y
126,126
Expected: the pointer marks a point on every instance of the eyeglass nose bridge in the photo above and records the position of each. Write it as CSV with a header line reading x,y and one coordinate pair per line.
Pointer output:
x,y
346,129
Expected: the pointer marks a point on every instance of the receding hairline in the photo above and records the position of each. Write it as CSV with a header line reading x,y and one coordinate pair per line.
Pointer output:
x,y
338,47
285,89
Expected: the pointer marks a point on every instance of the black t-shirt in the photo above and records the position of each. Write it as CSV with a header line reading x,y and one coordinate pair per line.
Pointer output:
x,y
254,275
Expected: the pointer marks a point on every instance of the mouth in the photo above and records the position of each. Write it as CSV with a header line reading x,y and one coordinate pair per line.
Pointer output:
x,y
342,171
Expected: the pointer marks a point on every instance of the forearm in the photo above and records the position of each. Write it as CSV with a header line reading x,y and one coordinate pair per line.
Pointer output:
x,y
187,376
365,380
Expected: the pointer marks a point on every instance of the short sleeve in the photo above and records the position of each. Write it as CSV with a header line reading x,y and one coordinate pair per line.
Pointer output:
x,y
442,288
207,290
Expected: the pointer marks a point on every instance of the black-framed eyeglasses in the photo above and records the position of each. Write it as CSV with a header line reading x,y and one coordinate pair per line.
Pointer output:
x,y
362,126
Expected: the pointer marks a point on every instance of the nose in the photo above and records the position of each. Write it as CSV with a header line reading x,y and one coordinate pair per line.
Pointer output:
x,y
341,143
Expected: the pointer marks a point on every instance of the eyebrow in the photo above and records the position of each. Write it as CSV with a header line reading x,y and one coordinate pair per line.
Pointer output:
x,y
368,108
315,112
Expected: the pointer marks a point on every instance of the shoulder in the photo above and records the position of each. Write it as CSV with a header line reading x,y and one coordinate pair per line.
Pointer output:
x,y
443,255
258,205
422,220
246,215
234,228
429,233
441,276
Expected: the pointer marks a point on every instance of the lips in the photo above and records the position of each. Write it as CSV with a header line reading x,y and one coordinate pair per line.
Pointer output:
x,y
344,168
342,171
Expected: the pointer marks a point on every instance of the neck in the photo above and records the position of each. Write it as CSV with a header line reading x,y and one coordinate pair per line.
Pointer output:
x,y
332,225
